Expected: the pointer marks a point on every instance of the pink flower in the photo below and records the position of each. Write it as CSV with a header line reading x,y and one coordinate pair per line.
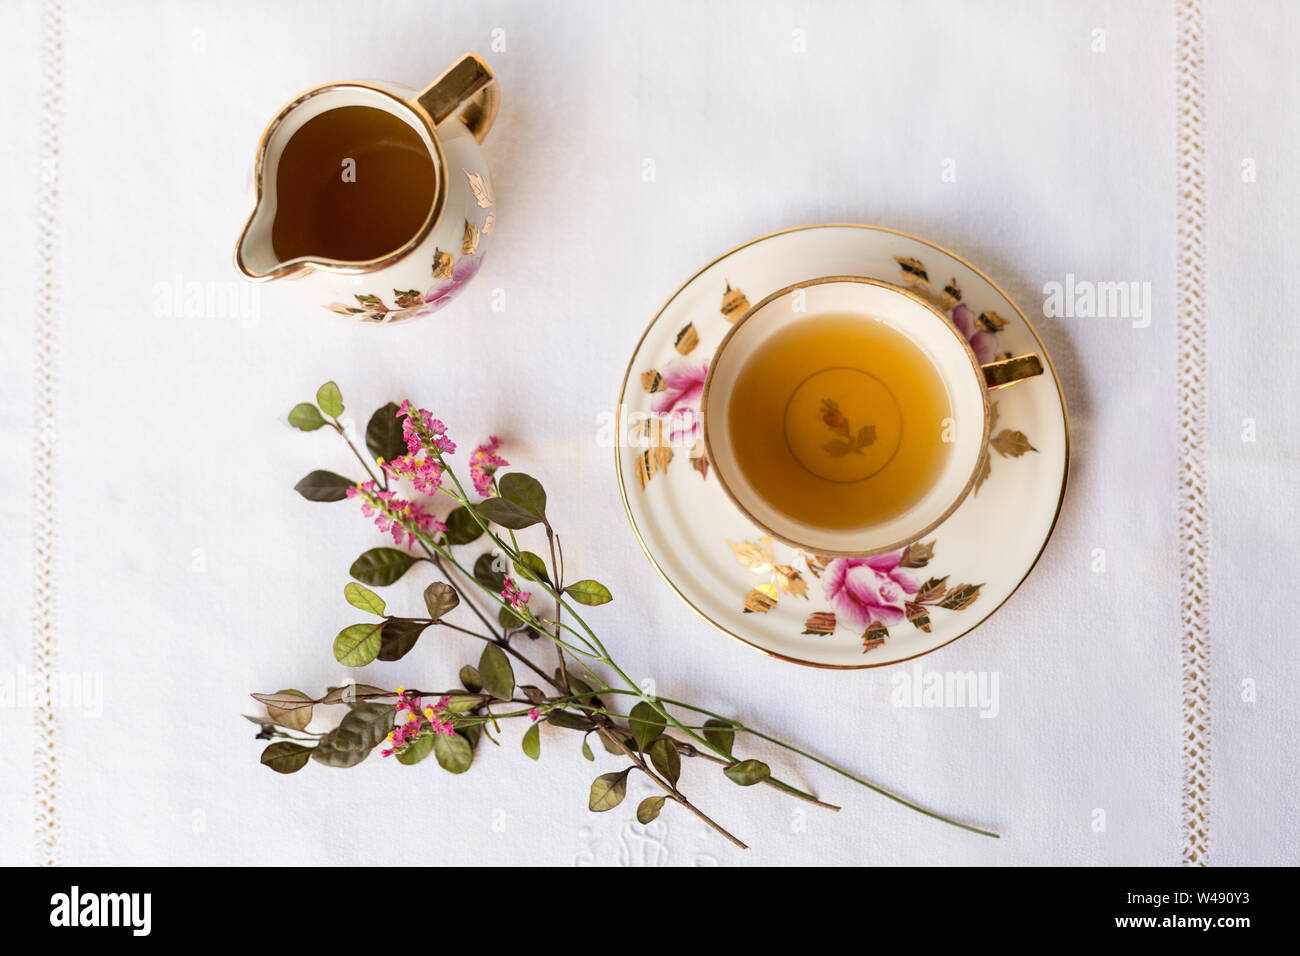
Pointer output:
x,y
424,473
420,721
981,342
534,715
483,464
864,590
400,518
423,432
439,295
683,380
513,596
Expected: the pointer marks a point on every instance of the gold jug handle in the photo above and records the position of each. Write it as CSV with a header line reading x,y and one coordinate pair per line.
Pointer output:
x,y
468,90
1012,370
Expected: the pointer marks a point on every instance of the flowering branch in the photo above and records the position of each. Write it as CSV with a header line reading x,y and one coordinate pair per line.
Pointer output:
x,y
409,446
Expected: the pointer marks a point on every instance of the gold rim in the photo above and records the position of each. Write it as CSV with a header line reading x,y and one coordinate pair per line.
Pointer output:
x,y
861,280
622,487
304,264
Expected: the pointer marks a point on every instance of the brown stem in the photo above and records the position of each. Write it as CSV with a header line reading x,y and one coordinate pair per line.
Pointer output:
x,y
602,725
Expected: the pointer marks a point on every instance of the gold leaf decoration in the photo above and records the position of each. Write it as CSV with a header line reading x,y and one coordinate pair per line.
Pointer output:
x,y
489,222
916,555
753,555
655,458
950,296
918,615
482,192
986,469
687,339
874,636
760,558
823,622
931,590
409,299
913,271
342,309
993,415
734,303
960,597
789,580
760,600
372,302
652,381
991,322
1011,444
816,563
469,244
441,264
699,460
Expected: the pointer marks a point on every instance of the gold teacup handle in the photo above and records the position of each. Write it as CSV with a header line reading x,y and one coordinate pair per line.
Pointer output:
x,y
468,90
1012,370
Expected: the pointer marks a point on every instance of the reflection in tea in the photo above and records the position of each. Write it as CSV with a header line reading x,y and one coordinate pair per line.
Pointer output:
x,y
838,421
354,183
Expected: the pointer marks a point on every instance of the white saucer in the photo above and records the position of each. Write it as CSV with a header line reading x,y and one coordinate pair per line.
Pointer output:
x,y
845,612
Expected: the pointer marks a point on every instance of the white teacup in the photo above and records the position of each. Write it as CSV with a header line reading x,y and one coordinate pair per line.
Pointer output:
x,y
966,380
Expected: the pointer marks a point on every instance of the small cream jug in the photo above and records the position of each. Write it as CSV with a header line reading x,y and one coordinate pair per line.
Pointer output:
x,y
450,117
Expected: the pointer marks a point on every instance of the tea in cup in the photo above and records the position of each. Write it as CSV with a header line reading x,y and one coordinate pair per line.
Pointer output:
x,y
848,416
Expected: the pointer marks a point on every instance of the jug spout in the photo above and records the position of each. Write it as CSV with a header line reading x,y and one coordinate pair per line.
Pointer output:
x,y
255,256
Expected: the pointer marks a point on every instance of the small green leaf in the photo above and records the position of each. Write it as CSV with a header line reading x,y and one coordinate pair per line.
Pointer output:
x,y
646,723
469,677
589,592
416,750
329,400
362,598
384,434
487,574
323,486
380,567
569,721
454,753
608,791
509,619
461,526
462,703
649,808
586,750
284,756
613,748
506,513
362,729
497,674
359,644
296,716
398,639
666,759
533,741
748,772
524,491
440,598
531,566
721,734
305,417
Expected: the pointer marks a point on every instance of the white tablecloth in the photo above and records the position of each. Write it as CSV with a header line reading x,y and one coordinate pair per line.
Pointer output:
x,y
182,571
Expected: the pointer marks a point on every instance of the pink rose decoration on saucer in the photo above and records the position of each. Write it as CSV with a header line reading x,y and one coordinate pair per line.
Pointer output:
x,y
981,342
864,590
683,380
439,295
